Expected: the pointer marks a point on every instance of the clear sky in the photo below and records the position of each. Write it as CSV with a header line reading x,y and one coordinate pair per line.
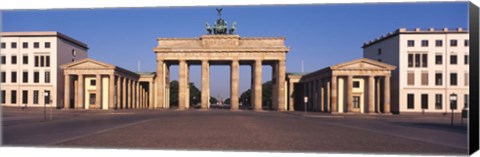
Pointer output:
x,y
320,35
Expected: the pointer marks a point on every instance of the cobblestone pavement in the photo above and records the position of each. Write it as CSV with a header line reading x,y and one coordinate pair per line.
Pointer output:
x,y
237,131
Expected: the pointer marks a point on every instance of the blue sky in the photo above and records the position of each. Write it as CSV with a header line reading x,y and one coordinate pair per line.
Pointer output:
x,y
320,35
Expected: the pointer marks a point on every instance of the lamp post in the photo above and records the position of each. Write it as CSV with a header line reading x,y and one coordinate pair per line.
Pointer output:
x,y
305,100
453,105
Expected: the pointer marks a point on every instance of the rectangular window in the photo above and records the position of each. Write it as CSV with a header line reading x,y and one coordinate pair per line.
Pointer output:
x,y
438,59
410,43
425,78
36,45
417,60
438,43
25,97
2,96
25,45
92,98
13,45
14,77
36,61
3,59
438,79
25,59
13,97
47,97
35,97
14,59
453,43
424,43
424,101
410,101
453,79
25,77
466,79
47,76
36,77
438,101
466,43
379,51
453,59
424,60
47,61
93,82
410,60
411,78
3,45
356,102
3,77
42,61
466,59
47,44
466,101
356,84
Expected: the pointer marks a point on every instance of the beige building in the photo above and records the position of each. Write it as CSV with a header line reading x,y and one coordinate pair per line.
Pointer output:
x,y
29,66
358,86
92,84
432,65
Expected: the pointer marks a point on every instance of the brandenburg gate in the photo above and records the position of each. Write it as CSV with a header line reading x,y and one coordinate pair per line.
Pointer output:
x,y
221,47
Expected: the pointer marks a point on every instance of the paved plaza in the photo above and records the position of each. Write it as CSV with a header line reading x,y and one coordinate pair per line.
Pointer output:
x,y
218,129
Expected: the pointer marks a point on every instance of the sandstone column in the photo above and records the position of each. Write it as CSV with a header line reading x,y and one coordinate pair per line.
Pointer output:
x,y
182,85
111,91
258,85
150,98
129,94
118,93
205,84
371,94
281,76
98,97
322,95
291,100
66,101
334,94
234,85
387,95
274,104
80,92
328,102
349,93
137,96
160,84
167,88
124,93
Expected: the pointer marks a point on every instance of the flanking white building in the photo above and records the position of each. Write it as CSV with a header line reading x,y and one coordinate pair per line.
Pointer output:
x,y
432,65
30,66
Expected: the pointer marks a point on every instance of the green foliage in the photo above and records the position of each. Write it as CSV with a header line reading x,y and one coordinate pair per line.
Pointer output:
x,y
195,94
213,100
245,97
227,101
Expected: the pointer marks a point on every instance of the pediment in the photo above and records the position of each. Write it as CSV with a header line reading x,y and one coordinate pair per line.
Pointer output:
x,y
363,63
88,64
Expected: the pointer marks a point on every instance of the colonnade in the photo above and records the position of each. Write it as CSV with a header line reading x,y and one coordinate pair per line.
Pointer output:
x,y
278,75
123,92
323,93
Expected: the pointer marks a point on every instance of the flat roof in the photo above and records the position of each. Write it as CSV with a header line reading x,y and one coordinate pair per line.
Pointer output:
x,y
414,31
44,34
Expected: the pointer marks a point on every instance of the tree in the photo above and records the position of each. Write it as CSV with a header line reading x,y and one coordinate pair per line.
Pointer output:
x,y
195,94
213,100
245,97
227,101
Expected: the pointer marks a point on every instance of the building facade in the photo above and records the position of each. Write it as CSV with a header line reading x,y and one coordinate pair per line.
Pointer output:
x,y
29,65
91,84
432,67
358,86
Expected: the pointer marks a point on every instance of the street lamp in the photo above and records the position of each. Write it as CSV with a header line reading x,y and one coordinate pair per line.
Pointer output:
x,y
453,105
305,100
